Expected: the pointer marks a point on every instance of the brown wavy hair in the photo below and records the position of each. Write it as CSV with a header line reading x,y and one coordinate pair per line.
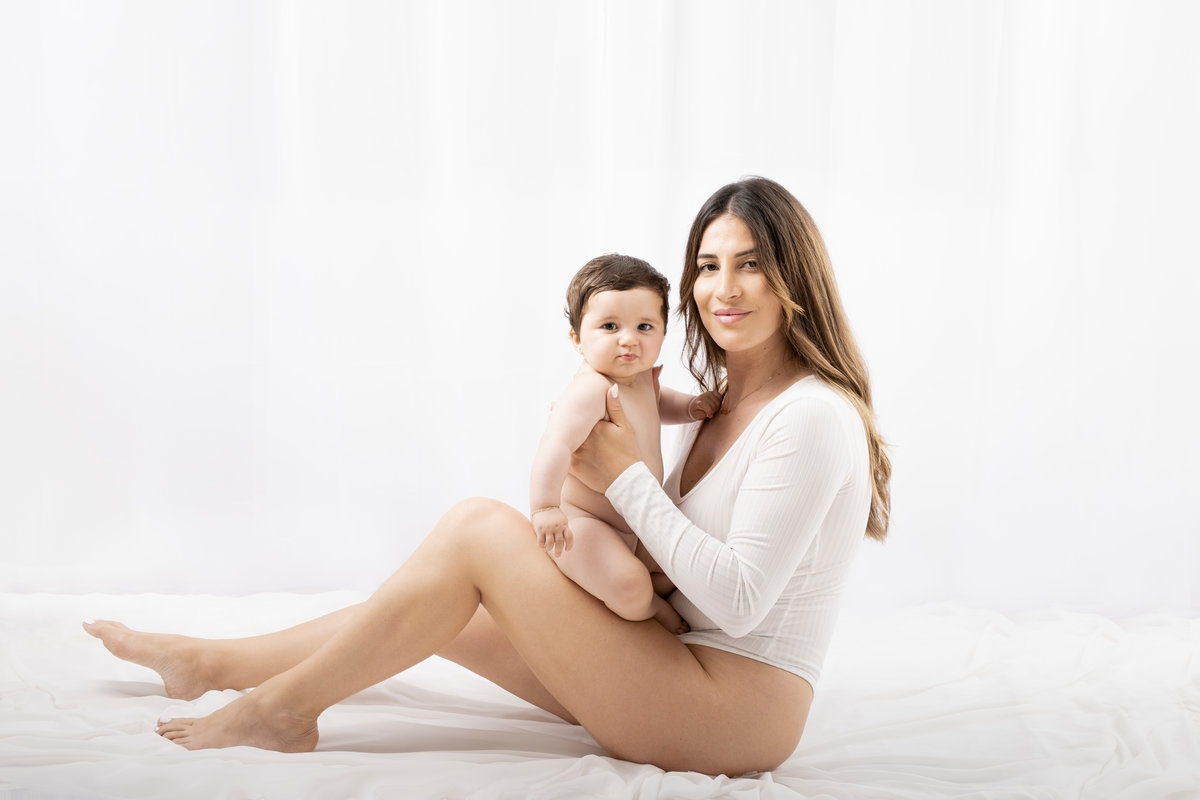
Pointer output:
x,y
792,257
613,272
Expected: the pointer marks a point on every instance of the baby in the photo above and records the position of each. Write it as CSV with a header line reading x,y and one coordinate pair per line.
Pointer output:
x,y
617,306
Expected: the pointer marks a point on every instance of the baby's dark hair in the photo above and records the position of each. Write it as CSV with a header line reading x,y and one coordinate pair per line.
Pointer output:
x,y
613,272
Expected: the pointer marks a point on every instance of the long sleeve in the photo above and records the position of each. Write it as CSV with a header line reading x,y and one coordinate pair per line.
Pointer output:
x,y
766,537
777,512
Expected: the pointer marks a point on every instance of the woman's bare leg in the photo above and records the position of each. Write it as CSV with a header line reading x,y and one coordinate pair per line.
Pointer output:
x,y
485,650
189,666
416,612
678,708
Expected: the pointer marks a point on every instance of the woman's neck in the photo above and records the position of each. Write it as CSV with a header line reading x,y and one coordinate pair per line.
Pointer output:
x,y
757,376
746,370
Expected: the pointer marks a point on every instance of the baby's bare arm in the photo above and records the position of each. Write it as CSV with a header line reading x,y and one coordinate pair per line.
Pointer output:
x,y
574,415
677,408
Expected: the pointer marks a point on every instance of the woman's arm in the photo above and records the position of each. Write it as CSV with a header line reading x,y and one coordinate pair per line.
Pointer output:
x,y
801,463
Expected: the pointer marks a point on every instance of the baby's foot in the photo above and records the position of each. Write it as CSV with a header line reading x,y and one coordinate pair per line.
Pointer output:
x,y
246,721
669,618
176,659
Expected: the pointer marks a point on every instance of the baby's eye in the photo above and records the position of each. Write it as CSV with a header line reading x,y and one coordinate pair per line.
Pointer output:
x,y
646,326
608,326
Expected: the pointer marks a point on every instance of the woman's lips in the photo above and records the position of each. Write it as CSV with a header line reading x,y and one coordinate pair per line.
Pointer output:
x,y
730,315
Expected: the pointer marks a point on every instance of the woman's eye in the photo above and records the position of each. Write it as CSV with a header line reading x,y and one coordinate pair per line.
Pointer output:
x,y
750,265
708,267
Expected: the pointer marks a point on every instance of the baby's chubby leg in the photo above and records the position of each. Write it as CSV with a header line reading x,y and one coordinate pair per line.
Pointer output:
x,y
603,564
662,584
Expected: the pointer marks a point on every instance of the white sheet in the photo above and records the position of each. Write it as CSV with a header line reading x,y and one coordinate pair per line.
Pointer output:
x,y
921,703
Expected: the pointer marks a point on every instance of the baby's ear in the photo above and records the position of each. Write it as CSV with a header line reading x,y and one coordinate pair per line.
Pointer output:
x,y
573,336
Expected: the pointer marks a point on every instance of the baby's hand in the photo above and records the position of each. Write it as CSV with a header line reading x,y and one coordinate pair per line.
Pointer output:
x,y
553,533
703,406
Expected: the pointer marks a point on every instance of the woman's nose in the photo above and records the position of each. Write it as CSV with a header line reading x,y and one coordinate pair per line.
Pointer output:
x,y
728,286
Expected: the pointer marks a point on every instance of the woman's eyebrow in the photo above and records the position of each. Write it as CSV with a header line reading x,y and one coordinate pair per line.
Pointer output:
x,y
749,252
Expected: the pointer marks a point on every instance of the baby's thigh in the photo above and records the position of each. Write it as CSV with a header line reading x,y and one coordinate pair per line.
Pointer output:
x,y
599,548
594,530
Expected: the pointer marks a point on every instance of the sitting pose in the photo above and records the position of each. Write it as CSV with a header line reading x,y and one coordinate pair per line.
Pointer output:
x,y
617,306
757,525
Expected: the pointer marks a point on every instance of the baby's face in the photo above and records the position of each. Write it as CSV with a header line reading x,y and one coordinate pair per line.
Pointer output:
x,y
621,333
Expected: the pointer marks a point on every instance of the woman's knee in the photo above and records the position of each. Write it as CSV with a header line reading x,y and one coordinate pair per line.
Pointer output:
x,y
481,519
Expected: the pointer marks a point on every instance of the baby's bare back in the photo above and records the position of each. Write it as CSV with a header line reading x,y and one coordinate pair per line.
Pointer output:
x,y
640,404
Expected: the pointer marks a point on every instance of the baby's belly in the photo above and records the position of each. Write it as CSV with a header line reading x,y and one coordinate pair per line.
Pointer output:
x,y
595,504
592,503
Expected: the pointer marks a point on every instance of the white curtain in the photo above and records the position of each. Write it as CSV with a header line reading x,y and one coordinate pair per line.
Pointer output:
x,y
280,282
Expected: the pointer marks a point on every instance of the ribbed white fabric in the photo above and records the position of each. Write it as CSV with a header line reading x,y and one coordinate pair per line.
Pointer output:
x,y
761,546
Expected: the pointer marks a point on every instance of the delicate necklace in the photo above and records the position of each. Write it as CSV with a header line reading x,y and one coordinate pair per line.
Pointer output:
x,y
727,411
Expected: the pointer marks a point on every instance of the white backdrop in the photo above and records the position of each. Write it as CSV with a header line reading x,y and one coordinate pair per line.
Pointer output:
x,y
279,282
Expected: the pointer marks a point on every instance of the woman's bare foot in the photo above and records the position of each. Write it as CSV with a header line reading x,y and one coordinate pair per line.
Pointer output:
x,y
668,617
178,660
248,720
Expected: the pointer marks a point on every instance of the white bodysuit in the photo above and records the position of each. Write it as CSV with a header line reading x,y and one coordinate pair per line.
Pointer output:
x,y
761,547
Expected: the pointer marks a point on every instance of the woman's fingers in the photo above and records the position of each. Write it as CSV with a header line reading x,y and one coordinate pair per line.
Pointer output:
x,y
616,414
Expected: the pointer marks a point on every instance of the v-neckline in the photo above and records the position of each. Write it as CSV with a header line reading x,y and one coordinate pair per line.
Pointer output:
x,y
695,434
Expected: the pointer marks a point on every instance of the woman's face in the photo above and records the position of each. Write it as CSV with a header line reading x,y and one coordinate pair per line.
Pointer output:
x,y
736,304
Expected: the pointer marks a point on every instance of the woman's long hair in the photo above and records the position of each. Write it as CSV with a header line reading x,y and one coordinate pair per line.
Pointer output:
x,y
792,256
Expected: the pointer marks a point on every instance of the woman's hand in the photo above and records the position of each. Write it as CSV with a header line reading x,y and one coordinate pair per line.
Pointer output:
x,y
610,449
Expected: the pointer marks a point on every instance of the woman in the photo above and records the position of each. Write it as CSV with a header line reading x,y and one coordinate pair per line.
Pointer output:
x,y
757,526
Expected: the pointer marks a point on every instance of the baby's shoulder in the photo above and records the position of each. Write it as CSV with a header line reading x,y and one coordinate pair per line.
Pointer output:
x,y
586,387
589,380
